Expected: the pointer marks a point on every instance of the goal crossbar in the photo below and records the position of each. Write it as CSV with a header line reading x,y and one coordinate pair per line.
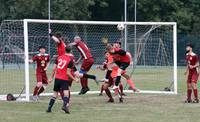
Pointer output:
x,y
97,22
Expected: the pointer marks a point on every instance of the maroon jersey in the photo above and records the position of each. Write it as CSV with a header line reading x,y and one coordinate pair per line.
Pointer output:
x,y
63,62
41,61
121,56
61,48
192,59
83,49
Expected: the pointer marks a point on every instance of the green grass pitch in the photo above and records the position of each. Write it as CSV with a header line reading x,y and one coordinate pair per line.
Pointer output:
x,y
93,108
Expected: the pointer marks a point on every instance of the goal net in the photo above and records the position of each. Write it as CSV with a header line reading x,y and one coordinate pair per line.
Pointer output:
x,y
152,45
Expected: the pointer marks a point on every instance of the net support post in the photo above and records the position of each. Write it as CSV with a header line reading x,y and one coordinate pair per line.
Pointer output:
x,y
175,58
26,60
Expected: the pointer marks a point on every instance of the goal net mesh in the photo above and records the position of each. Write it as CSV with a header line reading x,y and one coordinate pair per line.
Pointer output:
x,y
150,45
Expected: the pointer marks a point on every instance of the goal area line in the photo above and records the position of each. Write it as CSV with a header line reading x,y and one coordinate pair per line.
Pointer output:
x,y
3,97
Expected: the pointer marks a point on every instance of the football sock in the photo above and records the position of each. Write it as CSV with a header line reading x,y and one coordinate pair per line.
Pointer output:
x,y
101,89
89,76
195,93
69,95
86,82
121,87
51,103
36,91
117,80
131,83
40,90
189,92
83,82
65,100
108,93
108,74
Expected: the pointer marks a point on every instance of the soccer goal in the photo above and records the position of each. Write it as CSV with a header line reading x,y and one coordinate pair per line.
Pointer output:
x,y
153,46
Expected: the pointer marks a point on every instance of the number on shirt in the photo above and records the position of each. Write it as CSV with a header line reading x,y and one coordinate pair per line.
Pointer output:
x,y
61,63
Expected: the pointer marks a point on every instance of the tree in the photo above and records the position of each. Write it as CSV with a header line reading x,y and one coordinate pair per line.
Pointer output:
x,y
61,9
184,12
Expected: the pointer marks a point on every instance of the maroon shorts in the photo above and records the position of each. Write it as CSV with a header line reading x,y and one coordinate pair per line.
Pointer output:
x,y
87,64
193,77
42,77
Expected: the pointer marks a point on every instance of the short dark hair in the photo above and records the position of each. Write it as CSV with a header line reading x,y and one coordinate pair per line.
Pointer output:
x,y
189,45
68,49
41,47
108,47
58,34
118,42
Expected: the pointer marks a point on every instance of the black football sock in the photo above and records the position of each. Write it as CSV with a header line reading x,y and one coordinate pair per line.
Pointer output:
x,y
51,103
89,76
117,80
65,100
41,90
108,74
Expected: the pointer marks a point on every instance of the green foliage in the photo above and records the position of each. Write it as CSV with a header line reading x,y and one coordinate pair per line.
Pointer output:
x,y
184,12
61,9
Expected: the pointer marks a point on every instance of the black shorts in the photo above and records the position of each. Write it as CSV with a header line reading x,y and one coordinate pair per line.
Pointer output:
x,y
60,85
122,65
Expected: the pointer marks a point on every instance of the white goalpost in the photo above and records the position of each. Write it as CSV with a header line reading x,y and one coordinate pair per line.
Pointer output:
x,y
156,52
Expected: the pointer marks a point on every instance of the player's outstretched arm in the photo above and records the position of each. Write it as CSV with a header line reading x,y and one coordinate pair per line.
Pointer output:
x,y
197,66
78,61
187,69
53,37
72,44
30,61
194,66
101,68
70,75
69,68
34,58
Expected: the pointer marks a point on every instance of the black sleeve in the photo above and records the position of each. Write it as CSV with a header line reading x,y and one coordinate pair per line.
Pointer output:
x,y
70,65
56,61
74,68
120,52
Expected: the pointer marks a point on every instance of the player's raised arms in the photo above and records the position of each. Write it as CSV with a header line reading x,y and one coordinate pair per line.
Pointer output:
x,y
56,39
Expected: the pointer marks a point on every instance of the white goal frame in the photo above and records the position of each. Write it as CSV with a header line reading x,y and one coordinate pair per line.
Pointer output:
x,y
26,21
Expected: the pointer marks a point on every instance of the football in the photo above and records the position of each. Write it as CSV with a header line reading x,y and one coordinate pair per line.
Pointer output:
x,y
120,26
